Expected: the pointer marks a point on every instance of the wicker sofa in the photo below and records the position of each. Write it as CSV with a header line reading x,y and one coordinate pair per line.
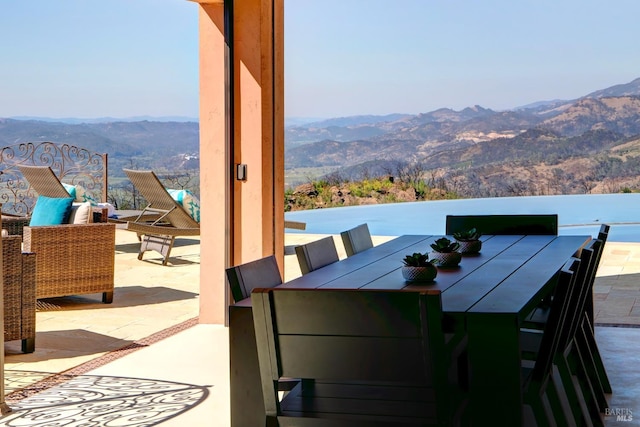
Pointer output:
x,y
19,275
73,259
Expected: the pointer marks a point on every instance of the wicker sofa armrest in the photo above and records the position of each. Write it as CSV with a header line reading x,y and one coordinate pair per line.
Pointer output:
x,y
73,259
14,223
19,275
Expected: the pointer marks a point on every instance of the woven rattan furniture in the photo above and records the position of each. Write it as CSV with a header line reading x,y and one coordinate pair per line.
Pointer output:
x,y
162,220
70,164
73,259
19,275
14,224
45,182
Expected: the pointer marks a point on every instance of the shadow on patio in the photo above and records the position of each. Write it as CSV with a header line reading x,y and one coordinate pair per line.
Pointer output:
x,y
148,298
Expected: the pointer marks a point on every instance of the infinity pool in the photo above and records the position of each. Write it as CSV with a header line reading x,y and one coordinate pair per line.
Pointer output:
x,y
577,214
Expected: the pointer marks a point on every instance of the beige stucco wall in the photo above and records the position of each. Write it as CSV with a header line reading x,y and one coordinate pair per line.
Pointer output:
x,y
241,220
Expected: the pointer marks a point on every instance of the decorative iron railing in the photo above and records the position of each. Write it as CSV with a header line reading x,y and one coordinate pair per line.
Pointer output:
x,y
72,165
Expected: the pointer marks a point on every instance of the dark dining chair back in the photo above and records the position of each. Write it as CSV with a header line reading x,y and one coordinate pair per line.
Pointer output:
x,y
565,298
543,395
316,254
364,357
539,224
578,296
583,340
262,273
578,353
603,234
357,239
565,344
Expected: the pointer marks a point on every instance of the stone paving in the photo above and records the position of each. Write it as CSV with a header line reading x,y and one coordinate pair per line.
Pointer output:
x,y
148,298
617,286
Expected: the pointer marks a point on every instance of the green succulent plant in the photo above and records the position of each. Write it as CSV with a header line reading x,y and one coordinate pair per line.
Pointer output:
x,y
417,259
444,245
467,235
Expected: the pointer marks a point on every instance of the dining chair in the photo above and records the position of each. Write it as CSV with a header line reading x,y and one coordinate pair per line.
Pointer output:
x,y
576,358
244,278
357,239
316,254
573,357
546,397
585,336
603,234
588,323
357,370
545,224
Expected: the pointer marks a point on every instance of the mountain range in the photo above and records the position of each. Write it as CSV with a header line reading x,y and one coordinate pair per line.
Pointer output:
x,y
591,143
167,145
534,143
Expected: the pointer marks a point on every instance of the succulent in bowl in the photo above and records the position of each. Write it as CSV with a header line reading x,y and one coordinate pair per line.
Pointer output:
x,y
418,268
469,240
445,252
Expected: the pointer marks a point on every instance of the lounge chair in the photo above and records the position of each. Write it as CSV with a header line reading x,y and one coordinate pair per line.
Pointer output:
x,y
162,220
72,258
44,181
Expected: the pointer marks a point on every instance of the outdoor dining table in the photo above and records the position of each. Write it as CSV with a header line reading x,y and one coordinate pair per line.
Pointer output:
x,y
487,298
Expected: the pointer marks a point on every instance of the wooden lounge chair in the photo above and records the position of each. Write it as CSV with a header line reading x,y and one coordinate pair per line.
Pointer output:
x,y
162,220
45,182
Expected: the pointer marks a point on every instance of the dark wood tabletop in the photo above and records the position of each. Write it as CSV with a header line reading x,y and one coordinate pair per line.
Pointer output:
x,y
488,296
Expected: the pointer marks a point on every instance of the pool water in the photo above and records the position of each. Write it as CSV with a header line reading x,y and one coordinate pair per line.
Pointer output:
x,y
577,214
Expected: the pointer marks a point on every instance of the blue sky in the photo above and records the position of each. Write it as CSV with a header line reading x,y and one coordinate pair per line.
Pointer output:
x,y
123,58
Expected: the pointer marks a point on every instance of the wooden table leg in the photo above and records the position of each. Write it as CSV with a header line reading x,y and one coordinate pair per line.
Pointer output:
x,y
247,403
494,363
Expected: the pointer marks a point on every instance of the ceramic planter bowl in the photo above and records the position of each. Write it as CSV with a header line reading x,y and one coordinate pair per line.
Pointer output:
x,y
446,259
469,247
419,274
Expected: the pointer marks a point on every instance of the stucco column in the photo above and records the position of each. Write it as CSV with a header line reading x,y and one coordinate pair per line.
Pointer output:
x,y
241,123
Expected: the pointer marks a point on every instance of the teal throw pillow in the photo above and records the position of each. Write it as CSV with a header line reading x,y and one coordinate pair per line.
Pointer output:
x,y
51,211
188,201
71,189
82,195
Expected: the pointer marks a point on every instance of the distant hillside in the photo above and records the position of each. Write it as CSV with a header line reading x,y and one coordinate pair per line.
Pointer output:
x,y
627,89
619,114
143,144
75,120
588,144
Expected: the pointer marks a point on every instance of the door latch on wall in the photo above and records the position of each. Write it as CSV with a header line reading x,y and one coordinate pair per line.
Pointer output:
x,y
241,172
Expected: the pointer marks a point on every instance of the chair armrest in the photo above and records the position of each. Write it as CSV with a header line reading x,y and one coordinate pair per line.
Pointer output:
x,y
19,271
14,224
100,214
98,234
